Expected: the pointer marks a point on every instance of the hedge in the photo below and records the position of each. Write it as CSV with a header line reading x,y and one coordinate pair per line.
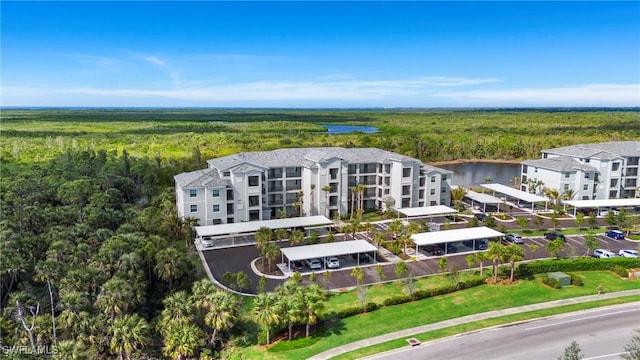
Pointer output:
x,y
580,264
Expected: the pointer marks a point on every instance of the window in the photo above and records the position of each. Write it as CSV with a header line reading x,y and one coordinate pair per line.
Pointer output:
x,y
567,175
586,175
193,193
226,174
216,208
254,200
535,170
254,180
587,160
406,172
443,190
215,193
433,191
444,177
387,168
566,186
194,208
615,166
585,187
406,190
433,179
524,169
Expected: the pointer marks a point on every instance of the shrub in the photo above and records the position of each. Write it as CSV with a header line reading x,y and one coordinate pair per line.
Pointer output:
x,y
349,312
567,265
576,280
395,300
551,282
620,270
371,307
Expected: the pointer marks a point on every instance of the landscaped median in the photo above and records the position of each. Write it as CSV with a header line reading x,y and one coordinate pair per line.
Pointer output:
x,y
480,299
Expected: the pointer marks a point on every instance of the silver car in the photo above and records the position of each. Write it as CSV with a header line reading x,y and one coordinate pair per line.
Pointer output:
x,y
515,238
628,253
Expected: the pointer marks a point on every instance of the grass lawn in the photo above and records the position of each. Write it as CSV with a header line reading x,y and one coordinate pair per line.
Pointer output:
x,y
476,300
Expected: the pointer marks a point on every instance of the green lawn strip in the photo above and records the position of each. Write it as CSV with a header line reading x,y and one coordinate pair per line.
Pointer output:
x,y
462,303
462,328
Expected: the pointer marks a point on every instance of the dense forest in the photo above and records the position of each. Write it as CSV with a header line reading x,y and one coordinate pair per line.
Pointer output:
x,y
94,262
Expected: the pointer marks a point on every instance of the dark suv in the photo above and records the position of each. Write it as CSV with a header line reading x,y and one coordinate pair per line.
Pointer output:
x,y
554,235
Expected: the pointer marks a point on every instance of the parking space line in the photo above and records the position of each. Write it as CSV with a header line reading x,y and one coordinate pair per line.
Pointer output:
x,y
575,240
539,244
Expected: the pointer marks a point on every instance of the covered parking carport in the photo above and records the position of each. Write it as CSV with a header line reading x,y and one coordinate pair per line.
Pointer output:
x,y
230,231
509,192
323,251
597,204
483,199
430,211
457,235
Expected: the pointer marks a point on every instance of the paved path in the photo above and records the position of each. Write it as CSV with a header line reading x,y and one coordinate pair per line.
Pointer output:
x,y
407,333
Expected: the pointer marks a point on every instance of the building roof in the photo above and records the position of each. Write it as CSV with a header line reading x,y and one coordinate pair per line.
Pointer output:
x,y
437,237
603,203
427,210
253,226
509,191
309,156
605,150
200,178
560,163
329,249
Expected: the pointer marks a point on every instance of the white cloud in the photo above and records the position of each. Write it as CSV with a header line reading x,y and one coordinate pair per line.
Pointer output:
x,y
583,95
155,60
418,92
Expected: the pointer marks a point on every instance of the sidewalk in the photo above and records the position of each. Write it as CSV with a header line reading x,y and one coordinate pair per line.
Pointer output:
x,y
407,333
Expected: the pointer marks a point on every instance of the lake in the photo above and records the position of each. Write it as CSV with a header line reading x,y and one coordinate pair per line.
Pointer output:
x,y
473,173
346,129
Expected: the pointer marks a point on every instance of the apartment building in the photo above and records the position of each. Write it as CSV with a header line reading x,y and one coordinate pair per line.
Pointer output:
x,y
307,181
593,171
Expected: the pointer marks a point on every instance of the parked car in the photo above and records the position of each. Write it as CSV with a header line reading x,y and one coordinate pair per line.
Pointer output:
x,y
604,213
615,234
603,254
514,238
451,247
332,262
207,242
314,264
434,250
628,253
363,257
481,245
481,216
554,235
297,265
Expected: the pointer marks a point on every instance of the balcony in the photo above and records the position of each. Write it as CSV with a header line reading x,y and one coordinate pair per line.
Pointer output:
x,y
293,172
275,186
275,173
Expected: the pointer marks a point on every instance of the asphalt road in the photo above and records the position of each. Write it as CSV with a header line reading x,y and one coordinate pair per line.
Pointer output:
x,y
601,334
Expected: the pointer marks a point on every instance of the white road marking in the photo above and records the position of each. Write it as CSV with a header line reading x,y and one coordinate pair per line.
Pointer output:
x,y
582,319
612,355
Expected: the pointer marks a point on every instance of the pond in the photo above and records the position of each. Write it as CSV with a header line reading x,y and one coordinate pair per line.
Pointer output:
x,y
346,129
473,173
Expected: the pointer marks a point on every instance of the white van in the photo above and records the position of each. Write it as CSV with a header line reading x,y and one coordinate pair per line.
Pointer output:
x,y
603,254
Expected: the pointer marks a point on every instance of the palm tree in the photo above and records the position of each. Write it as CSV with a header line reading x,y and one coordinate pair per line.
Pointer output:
x,y
270,252
289,304
395,227
177,308
495,253
281,234
312,299
182,341
513,253
265,311
221,312
168,265
361,188
298,204
354,191
263,236
49,271
404,239
327,189
515,181
457,194
539,185
378,239
128,333
296,237
115,297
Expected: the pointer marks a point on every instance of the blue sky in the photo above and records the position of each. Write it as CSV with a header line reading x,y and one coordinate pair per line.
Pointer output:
x,y
320,54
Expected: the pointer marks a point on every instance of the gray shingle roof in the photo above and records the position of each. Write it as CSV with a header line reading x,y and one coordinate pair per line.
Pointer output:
x,y
306,157
200,178
560,163
606,150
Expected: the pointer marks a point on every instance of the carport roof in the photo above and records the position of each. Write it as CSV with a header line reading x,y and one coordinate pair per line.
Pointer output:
x,y
509,191
437,237
330,249
603,203
427,210
482,198
253,226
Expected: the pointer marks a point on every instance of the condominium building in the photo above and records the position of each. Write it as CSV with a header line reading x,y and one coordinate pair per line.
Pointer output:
x,y
307,181
593,171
